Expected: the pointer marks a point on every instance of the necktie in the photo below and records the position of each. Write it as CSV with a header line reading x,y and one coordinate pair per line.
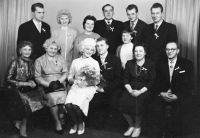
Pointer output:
x,y
171,68
156,28
102,59
132,26
108,25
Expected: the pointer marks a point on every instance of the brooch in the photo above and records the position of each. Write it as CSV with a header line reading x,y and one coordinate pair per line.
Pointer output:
x,y
43,30
156,35
112,28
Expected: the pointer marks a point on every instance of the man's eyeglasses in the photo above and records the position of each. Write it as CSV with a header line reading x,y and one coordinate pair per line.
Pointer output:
x,y
173,49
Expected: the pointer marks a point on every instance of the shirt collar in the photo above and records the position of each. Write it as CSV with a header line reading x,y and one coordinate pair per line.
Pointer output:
x,y
159,23
36,22
135,22
173,62
110,21
104,55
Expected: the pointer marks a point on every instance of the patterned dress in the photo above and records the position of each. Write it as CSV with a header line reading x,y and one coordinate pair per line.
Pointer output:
x,y
22,100
47,71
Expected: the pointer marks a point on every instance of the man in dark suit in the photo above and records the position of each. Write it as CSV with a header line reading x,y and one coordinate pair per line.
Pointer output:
x,y
109,28
36,31
158,34
173,88
134,24
107,98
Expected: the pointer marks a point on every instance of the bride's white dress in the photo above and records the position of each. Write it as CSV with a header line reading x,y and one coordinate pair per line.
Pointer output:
x,y
81,96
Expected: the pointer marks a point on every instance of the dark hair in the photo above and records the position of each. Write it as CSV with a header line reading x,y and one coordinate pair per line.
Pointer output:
x,y
107,5
177,44
157,5
128,31
89,17
33,7
23,44
132,6
140,44
102,39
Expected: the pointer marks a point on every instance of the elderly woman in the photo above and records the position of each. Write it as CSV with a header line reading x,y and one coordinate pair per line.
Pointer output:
x,y
22,94
77,102
88,26
65,35
139,76
51,72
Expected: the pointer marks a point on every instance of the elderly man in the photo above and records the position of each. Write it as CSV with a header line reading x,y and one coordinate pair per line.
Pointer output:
x,y
173,88
109,28
36,31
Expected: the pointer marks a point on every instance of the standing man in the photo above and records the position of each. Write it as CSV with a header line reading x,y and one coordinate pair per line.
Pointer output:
x,y
173,88
134,24
36,31
109,28
107,98
158,34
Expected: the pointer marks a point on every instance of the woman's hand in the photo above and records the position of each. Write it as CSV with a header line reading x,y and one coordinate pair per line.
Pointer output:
x,y
32,83
135,93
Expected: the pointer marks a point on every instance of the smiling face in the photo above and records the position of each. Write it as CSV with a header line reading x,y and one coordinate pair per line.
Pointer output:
x,y
38,14
132,15
108,12
102,47
64,20
156,14
88,51
26,51
51,50
139,53
126,38
89,25
172,51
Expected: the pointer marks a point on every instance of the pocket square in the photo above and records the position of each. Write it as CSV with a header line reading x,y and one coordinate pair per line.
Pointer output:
x,y
109,68
182,71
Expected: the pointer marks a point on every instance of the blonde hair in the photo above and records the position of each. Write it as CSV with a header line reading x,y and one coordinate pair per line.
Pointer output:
x,y
88,42
64,12
50,42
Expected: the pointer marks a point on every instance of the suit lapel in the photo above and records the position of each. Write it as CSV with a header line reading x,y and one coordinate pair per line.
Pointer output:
x,y
34,27
162,28
166,70
176,70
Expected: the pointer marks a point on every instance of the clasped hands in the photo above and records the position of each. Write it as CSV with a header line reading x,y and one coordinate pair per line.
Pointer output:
x,y
168,96
135,93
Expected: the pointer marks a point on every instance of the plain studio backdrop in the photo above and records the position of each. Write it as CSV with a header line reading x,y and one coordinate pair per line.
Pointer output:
x,y
79,9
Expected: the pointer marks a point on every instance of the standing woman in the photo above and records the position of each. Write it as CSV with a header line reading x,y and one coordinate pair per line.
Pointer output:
x,y
22,95
138,78
51,72
88,26
65,35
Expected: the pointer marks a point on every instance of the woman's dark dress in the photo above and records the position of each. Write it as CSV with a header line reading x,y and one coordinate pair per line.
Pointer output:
x,y
144,78
22,100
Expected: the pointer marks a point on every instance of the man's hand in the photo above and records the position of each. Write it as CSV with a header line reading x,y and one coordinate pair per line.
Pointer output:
x,y
168,97
100,89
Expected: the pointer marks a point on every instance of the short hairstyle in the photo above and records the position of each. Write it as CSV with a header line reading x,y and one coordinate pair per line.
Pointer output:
x,y
157,5
140,44
88,42
107,5
128,31
177,44
102,39
132,6
23,44
89,17
64,12
51,41
33,7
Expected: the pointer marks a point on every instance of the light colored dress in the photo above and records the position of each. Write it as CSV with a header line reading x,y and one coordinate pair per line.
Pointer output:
x,y
79,38
47,71
81,96
66,37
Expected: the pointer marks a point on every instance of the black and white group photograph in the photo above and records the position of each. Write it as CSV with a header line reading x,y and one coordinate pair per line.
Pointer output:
x,y
99,68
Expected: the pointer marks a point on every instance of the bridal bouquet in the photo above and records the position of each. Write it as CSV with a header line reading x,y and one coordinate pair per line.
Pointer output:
x,y
88,76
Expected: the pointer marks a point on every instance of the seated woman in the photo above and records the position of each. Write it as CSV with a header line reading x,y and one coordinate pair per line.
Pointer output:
x,y
88,26
22,94
124,51
65,35
77,102
51,72
138,78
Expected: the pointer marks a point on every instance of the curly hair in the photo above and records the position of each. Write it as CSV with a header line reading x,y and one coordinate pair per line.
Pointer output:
x,y
64,12
51,41
88,42
23,44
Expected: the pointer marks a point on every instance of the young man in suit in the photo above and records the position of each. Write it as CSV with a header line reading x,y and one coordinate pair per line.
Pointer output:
x,y
134,24
158,34
109,28
173,88
107,99
36,31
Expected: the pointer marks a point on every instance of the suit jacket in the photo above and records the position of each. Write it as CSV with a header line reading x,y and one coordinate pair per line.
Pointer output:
x,y
114,35
112,72
139,28
182,82
28,31
156,47
66,49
